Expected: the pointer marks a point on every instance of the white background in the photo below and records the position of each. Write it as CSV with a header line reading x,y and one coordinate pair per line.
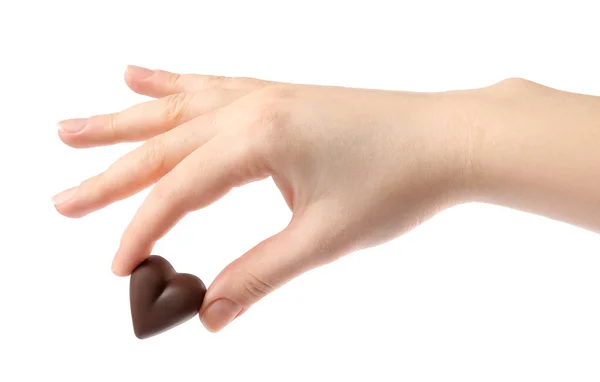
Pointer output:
x,y
480,293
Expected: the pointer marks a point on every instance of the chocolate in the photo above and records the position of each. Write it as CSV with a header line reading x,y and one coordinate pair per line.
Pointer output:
x,y
160,298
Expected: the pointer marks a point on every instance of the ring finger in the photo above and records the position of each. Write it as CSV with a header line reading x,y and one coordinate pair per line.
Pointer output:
x,y
145,120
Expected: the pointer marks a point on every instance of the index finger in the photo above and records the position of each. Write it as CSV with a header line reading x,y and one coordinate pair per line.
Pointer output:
x,y
199,180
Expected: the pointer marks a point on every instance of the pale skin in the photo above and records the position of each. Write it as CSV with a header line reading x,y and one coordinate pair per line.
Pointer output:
x,y
356,167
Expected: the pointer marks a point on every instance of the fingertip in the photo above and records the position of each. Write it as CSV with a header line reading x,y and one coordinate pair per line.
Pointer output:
x,y
119,272
68,213
70,130
140,80
80,132
127,76
74,141
207,327
128,258
64,203
118,269
136,86
220,313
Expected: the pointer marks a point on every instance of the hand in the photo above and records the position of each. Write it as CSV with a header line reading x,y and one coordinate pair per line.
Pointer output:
x,y
356,167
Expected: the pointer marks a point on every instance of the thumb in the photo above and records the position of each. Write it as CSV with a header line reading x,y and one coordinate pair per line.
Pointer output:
x,y
264,268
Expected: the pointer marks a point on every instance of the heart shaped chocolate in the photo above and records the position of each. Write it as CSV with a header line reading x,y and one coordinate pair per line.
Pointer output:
x,y
161,298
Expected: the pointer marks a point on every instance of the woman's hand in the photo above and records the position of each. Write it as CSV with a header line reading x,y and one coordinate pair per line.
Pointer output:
x,y
356,167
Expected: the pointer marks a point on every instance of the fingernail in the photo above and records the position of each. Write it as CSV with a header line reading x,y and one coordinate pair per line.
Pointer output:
x,y
72,126
64,196
220,313
139,72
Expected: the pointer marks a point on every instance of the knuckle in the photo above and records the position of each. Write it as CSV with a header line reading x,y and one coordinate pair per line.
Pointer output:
x,y
255,288
266,133
174,80
269,127
96,187
164,194
270,116
153,157
247,160
112,125
176,105
213,82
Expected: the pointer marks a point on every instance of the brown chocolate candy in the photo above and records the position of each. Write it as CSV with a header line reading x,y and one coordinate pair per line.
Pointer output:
x,y
161,298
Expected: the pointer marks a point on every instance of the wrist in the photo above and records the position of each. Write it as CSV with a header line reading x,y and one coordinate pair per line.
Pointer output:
x,y
535,149
501,137
490,131
461,122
